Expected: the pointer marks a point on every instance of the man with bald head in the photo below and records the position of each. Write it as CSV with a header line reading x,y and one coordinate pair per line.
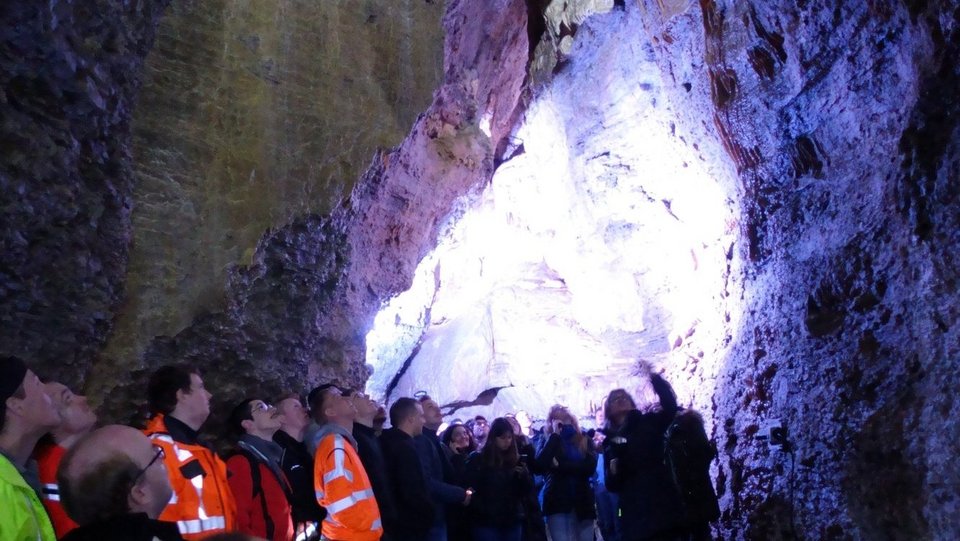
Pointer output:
x,y
77,419
103,467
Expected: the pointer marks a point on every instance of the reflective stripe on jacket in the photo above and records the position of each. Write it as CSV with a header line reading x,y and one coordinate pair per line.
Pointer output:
x,y
201,504
22,517
48,457
343,489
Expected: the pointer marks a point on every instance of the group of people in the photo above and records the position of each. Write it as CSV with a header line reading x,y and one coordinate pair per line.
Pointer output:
x,y
329,469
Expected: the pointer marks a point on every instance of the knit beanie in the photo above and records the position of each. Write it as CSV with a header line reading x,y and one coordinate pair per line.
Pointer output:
x,y
12,372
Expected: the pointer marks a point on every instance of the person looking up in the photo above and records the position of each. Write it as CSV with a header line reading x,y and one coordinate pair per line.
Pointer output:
x,y
203,504
297,465
480,430
411,492
568,460
78,419
26,414
372,457
115,484
339,479
437,469
650,504
256,479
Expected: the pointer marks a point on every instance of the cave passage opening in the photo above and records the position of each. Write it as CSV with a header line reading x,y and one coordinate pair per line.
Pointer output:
x,y
608,240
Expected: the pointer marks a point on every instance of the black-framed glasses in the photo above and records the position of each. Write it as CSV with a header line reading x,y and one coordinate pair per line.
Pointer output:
x,y
159,456
419,395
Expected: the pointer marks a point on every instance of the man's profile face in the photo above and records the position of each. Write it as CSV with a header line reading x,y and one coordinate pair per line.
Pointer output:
x,y
431,412
76,413
197,399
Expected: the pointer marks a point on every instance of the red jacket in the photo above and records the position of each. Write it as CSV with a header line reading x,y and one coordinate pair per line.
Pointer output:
x,y
48,457
252,501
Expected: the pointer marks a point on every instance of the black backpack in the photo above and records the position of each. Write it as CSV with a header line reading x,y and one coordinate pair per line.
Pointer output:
x,y
687,453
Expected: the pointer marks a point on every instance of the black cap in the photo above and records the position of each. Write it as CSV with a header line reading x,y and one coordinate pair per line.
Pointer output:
x,y
12,372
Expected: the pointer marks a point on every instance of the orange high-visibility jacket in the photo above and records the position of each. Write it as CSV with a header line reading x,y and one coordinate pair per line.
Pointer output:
x,y
202,504
48,457
344,490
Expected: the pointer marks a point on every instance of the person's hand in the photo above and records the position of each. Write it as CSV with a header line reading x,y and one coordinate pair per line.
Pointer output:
x,y
467,497
556,424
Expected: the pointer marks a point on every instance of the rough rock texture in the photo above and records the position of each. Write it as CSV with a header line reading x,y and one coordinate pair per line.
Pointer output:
x,y
841,119
831,130
252,114
299,311
604,240
69,75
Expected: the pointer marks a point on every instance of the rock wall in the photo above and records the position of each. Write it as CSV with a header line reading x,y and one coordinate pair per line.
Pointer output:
x,y
254,114
841,120
69,77
298,312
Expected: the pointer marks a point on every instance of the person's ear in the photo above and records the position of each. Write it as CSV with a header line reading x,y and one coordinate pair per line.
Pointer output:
x,y
246,424
138,498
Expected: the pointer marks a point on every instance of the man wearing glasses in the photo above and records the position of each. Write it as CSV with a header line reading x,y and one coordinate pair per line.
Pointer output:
x,y
111,461
259,485
202,503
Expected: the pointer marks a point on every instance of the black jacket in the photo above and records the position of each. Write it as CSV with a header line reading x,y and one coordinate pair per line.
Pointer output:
x,y
439,474
498,493
649,501
371,456
415,512
567,487
129,527
297,464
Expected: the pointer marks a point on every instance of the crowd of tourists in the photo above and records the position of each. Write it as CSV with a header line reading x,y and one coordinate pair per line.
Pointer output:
x,y
330,466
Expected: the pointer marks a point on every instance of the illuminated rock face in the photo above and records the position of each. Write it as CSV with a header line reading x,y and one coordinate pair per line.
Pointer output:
x,y
759,198
603,241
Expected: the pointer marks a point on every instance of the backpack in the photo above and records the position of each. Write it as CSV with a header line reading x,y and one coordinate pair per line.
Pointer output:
x,y
687,453
257,487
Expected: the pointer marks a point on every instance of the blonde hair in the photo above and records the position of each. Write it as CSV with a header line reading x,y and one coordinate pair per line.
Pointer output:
x,y
556,412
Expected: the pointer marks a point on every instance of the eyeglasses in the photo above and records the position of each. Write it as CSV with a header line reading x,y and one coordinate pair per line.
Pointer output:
x,y
261,406
419,395
159,456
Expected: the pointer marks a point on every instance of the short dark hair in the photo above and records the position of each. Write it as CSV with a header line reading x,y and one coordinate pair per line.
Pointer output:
x,y
100,493
315,401
401,409
422,397
164,384
241,412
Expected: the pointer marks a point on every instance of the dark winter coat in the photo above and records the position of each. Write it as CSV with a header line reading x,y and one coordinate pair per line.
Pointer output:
x,y
297,464
415,514
567,488
458,517
497,493
129,527
439,474
371,456
649,501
